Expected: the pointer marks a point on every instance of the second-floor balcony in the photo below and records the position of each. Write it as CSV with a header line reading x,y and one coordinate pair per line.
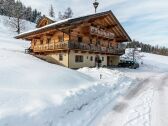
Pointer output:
x,y
78,46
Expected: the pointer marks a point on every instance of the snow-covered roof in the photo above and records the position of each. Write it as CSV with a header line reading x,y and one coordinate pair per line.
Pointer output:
x,y
51,18
41,28
69,21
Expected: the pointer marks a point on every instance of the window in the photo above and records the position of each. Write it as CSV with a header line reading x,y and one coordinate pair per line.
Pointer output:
x,y
78,59
60,38
60,57
91,58
80,39
102,58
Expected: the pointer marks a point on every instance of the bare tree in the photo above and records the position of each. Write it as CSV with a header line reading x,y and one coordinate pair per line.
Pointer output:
x,y
17,22
67,14
51,12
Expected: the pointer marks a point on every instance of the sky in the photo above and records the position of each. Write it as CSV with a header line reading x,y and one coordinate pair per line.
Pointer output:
x,y
144,20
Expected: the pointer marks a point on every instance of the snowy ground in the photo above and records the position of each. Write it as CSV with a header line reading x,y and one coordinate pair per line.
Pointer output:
x,y
36,93
146,104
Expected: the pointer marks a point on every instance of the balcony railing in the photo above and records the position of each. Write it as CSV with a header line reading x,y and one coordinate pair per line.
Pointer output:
x,y
77,46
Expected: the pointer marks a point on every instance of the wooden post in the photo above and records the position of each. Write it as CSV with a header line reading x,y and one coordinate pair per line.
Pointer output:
x,y
63,36
69,34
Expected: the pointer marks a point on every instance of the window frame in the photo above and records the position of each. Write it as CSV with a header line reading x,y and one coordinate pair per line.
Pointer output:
x,y
91,58
102,58
61,57
79,58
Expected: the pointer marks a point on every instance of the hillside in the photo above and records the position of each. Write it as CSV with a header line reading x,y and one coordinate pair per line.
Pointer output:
x,y
6,30
37,93
26,72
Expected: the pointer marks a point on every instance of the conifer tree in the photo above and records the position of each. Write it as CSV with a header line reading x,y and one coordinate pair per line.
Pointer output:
x,y
51,12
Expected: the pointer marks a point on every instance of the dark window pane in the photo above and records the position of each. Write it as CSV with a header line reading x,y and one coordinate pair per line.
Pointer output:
x,y
80,39
60,57
91,58
78,58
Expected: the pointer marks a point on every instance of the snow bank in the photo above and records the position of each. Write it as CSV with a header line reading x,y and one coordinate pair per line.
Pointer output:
x,y
78,108
25,72
22,71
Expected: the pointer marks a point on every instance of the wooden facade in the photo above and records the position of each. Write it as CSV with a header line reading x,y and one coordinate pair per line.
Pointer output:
x,y
88,39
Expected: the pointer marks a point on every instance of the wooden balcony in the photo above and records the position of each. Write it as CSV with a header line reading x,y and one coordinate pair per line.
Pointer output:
x,y
78,46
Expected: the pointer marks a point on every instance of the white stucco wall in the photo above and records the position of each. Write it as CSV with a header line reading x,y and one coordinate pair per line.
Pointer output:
x,y
86,60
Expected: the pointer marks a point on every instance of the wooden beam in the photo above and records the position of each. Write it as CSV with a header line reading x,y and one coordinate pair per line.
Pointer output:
x,y
49,34
111,26
36,37
118,28
113,29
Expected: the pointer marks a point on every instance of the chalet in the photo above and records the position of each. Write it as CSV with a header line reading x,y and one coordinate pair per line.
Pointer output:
x,y
78,42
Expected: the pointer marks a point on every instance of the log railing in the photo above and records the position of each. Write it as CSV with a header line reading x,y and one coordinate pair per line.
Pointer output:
x,y
77,46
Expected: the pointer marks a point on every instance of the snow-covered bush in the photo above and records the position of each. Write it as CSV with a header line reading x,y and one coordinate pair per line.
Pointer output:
x,y
132,54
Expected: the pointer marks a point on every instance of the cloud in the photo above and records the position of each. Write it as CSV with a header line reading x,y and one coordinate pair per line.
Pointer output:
x,y
144,20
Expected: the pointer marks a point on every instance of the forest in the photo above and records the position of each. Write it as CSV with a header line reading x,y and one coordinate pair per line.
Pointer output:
x,y
16,9
148,48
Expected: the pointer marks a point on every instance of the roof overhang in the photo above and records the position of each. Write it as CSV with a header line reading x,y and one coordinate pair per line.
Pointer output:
x,y
73,21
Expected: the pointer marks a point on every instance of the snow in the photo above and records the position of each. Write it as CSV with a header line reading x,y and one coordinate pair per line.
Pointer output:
x,y
146,104
37,93
44,27
51,18
130,52
5,29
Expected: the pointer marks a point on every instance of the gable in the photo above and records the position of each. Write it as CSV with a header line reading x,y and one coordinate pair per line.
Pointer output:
x,y
43,21
110,23
104,20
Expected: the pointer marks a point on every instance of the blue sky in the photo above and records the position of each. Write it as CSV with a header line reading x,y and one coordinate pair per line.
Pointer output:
x,y
144,20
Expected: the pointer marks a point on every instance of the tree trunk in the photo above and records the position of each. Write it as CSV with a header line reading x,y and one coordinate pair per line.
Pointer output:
x,y
18,25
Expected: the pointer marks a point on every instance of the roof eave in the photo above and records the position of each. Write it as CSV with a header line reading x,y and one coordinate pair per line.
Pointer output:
x,y
128,37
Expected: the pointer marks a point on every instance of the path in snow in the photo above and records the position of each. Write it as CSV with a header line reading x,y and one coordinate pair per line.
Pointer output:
x,y
146,105
147,110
